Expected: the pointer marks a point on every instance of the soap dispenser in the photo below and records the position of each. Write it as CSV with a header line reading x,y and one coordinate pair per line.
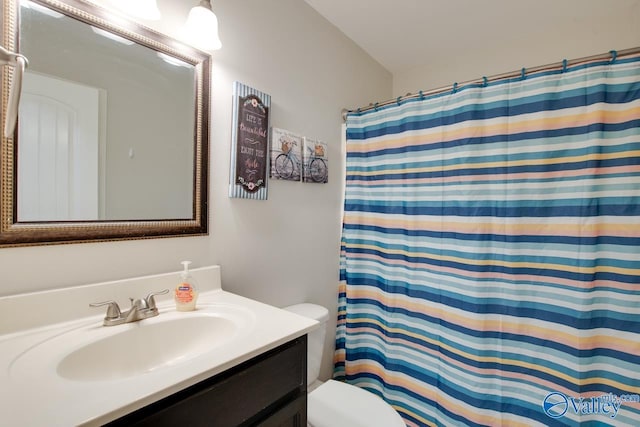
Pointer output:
x,y
186,292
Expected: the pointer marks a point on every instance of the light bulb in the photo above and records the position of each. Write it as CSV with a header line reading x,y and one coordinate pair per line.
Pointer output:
x,y
201,28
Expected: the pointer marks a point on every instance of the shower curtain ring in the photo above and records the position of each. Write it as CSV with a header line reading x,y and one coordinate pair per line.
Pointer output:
x,y
564,65
398,100
485,81
523,74
454,89
614,55
421,95
375,107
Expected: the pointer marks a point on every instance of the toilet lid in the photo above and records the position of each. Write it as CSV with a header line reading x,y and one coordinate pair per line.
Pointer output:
x,y
337,404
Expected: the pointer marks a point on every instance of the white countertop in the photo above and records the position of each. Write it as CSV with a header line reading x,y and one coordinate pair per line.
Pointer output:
x,y
37,396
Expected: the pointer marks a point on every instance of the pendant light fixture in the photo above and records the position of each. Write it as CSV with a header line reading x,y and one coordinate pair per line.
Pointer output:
x,y
144,9
201,28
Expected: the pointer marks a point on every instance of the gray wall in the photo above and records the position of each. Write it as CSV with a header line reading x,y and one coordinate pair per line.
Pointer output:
x,y
568,33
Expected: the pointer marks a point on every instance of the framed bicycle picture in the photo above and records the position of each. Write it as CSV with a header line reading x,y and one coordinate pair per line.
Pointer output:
x,y
315,161
286,155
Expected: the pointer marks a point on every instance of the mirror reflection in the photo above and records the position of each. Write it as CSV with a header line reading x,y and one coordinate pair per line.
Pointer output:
x,y
106,125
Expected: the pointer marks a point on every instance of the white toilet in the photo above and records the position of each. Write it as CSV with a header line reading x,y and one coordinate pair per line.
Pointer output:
x,y
334,403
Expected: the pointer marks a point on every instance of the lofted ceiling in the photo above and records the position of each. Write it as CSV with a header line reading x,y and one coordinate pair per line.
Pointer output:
x,y
406,34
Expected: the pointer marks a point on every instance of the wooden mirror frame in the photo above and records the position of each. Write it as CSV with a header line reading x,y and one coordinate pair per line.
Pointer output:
x,y
14,233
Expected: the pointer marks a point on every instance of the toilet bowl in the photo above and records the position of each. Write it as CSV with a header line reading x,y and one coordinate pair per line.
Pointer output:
x,y
334,403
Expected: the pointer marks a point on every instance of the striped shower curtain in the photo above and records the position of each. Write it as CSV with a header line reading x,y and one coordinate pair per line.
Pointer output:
x,y
490,267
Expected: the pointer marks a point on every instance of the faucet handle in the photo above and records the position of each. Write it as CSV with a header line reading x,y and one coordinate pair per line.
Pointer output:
x,y
139,304
151,301
113,311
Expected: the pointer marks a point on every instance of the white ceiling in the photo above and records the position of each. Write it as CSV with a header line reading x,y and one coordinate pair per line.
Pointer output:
x,y
406,34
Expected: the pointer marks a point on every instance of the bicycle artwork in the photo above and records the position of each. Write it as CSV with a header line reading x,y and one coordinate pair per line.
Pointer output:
x,y
315,161
286,154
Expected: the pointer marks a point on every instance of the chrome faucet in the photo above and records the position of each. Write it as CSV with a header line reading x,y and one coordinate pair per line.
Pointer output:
x,y
140,309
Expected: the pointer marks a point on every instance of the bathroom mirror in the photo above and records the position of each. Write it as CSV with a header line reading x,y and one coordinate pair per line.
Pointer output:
x,y
112,139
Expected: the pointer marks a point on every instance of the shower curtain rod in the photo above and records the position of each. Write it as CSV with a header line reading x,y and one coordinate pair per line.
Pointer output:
x,y
484,80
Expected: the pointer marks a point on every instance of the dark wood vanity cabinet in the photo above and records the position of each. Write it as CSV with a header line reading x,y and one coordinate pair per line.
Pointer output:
x,y
269,390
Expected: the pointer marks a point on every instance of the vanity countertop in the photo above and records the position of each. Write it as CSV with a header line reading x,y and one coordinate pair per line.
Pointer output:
x,y
33,394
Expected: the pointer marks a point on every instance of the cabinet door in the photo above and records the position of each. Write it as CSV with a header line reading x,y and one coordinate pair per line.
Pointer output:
x,y
272,384
292,415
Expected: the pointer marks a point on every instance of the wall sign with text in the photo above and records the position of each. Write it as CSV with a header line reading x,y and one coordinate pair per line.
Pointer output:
x,y
250,143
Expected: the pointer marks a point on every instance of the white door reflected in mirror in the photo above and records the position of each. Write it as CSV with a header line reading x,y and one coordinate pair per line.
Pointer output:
x,y
59,175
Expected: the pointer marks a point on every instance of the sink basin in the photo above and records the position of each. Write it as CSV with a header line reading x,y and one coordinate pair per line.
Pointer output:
x,y
147,347
98,353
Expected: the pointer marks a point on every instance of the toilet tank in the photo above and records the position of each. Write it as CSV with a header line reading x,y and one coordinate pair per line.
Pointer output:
x,y
315,338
